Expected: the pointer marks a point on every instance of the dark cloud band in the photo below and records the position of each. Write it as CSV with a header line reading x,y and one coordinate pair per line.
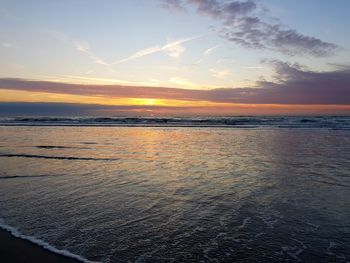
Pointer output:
x,y
243,23
293,85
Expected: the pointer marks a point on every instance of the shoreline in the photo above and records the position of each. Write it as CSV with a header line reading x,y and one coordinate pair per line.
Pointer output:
x,y
17,249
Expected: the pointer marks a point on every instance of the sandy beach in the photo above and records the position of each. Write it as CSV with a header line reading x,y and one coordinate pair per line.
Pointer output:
x,y
13,250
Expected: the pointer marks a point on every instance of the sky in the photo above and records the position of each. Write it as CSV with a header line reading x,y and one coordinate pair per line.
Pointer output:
x,y
174,57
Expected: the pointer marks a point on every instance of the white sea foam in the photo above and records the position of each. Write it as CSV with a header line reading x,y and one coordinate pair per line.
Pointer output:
x,y
14,232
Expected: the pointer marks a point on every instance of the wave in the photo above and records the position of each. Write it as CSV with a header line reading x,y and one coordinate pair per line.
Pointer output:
x,y
326,122
51,147
58,157
14,232
28,176
332,183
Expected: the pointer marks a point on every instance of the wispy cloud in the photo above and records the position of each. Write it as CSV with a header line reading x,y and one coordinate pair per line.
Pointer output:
x,y
243,23
6,44
253,67
173,5
205,54
81,46
185,83
84,47
293,84
210,50
220,74
106,81
173,49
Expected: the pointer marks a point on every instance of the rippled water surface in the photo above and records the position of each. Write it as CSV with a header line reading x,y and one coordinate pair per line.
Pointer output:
x,y
167,194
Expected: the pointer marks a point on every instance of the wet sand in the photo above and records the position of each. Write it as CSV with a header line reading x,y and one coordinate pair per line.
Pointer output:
x,y
13,250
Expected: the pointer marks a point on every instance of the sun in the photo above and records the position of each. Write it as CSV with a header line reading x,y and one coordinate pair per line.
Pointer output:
x,y
146,101
150,102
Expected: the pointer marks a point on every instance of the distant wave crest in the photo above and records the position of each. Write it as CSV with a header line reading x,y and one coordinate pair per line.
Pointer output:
x,y
57,157
51,147
327,122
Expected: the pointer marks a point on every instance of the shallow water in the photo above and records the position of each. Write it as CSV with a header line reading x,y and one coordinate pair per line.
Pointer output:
x,y
167,194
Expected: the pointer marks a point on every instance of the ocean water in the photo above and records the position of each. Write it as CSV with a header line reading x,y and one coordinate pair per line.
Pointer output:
x,y
257,193
324,122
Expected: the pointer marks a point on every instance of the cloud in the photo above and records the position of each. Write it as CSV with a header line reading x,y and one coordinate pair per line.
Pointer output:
x,y
175,5
41,110
210,50
84,47
183,82
6,44
221,74
253,67
80,46
243,23
173,49
293,84
76,109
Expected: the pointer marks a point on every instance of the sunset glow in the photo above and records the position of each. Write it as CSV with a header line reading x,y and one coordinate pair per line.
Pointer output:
x,y
182,64
174,131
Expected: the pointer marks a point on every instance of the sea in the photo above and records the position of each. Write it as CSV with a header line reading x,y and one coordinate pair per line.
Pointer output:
x,y
216,189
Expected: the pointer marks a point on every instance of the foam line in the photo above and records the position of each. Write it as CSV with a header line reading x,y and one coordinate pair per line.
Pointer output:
x,y
14,232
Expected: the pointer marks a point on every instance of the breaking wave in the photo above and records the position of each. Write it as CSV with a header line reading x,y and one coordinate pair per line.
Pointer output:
x,y
14,232
327,122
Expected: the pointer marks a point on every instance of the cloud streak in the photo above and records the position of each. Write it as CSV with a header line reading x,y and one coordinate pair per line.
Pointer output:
x,y
81,46
243,23
210,50
84,47
292,85
173,49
